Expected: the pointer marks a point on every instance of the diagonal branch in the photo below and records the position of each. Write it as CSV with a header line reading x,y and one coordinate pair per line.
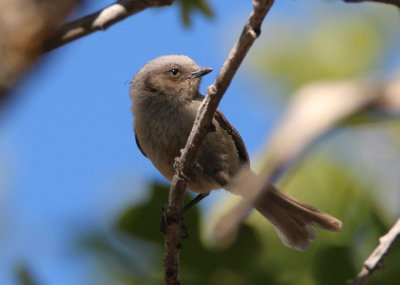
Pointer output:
x,y
393,2
200,128
100,20
376,259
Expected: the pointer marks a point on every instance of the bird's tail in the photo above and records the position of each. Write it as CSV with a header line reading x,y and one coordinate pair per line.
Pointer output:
x,y
293,220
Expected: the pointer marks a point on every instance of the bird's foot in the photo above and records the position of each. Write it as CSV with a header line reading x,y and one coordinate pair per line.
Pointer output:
x,y
190,177
165,222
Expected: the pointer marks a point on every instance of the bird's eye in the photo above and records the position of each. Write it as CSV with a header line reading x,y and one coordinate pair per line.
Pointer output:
x,y
174,71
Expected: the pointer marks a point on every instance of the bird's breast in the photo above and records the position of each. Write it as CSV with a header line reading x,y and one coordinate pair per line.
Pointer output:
x,y
162,134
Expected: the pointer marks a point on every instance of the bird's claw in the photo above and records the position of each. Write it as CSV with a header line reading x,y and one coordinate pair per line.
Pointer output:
x,y
178,169
164,223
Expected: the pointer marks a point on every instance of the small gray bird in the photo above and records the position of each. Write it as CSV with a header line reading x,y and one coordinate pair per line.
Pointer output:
x,y
165,94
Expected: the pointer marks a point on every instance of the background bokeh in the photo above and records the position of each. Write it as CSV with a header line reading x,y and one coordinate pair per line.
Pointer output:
x,y
79,204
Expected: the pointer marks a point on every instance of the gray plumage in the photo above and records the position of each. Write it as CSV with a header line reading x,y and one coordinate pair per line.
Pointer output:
x,y
165,94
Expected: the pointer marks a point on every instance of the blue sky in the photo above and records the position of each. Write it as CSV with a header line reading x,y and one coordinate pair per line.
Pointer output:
x,y
67,153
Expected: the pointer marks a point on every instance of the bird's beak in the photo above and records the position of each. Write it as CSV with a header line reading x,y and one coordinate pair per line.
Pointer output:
x,y
201,71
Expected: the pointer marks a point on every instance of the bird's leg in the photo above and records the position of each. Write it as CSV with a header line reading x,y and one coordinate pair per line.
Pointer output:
x,y
164,223
188,177
188,206
194,201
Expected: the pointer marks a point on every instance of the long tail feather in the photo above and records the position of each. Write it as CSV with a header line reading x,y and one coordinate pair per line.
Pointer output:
x,y
293,220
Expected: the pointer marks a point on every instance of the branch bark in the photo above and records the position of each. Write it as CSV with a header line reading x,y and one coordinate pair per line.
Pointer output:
x,y
376,259
200,129
25,25
100,20
393,2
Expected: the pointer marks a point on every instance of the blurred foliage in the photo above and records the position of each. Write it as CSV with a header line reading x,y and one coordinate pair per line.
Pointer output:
x,y
331,186
333,44
369,117
23,275
199,264
190,6
132,251
257,256
395,134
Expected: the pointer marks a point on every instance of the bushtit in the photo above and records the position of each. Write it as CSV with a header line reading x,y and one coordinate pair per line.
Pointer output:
x,y
165,94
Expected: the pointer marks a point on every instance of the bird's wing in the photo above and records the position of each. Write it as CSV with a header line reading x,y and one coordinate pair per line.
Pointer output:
x,y
138,144
237,139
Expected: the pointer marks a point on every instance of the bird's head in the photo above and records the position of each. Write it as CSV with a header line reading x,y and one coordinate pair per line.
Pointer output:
x,y
169,75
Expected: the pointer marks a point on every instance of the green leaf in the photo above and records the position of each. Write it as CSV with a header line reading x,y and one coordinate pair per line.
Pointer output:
x,y
143,221
24,275
188,7
333,265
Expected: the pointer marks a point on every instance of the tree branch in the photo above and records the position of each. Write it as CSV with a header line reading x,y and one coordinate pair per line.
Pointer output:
x,y
25,25
393,2
200,128
376,259
100,20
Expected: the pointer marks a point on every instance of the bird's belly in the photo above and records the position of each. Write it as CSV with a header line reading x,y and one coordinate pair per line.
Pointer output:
x,y
162,143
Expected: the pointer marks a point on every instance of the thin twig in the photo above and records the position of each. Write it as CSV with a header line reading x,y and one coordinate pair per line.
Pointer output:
x,y
393,2
100,20
200,128
376,259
